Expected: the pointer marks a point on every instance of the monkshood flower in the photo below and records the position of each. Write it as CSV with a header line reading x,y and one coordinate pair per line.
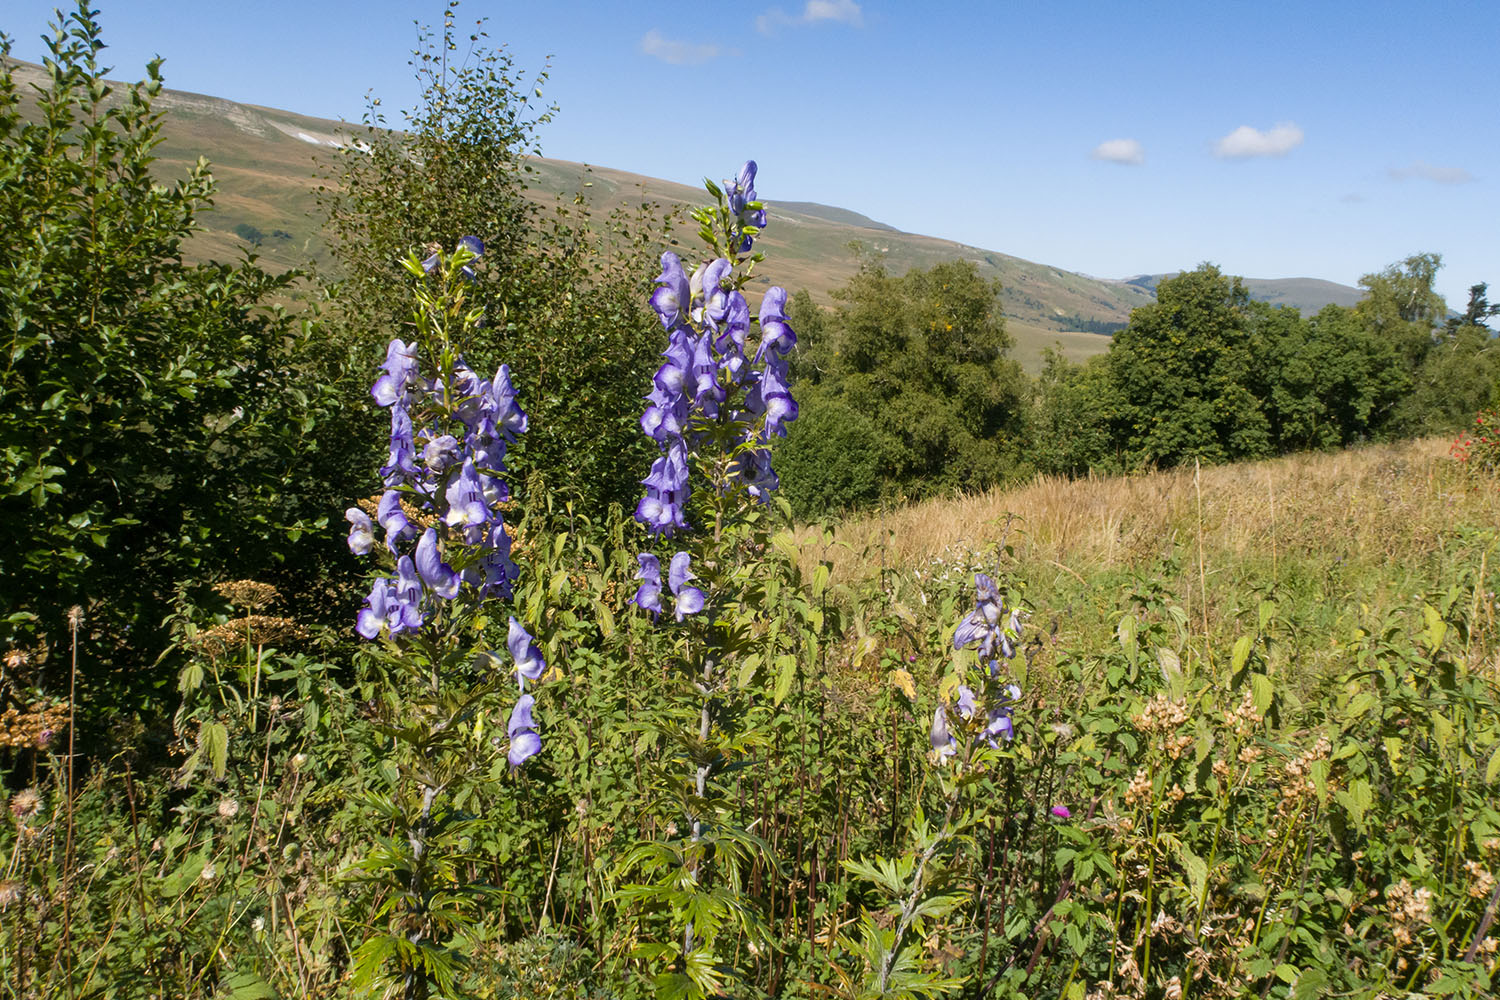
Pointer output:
x,y
982,627
690,600
528,655
447,452
361,531
941,737
648,596
740,193
524,741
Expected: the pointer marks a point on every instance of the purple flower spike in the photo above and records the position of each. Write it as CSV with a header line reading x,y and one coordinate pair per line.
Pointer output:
x,y
438,575
361,531
523,649
649,594
524,741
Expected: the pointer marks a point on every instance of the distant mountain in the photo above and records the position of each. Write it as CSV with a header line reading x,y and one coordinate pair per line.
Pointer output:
x,y
1306,295
267,164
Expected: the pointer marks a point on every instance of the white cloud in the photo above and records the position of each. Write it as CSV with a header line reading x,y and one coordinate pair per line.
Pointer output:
x,y
1126,151
1427,172
814,12
676,53
1245,142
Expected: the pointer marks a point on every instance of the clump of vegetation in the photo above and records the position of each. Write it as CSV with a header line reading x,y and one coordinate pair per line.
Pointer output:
x,y
1222,730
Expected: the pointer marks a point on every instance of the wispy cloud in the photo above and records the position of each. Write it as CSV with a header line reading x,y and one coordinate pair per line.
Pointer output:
x,y
1427,172
1245,142
674,52
1354,198
1126,151
814,12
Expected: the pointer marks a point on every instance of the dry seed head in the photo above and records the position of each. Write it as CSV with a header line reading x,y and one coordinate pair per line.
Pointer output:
x,y
263,630
15,659
1139,788
32,727
75,616
1484,881
25,804
247,593
1161,714
228,808
10,892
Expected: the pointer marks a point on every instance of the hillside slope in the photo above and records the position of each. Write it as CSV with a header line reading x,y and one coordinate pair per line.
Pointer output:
x,y
269,164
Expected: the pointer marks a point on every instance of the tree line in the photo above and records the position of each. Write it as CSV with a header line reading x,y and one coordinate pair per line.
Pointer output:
x,y
908,389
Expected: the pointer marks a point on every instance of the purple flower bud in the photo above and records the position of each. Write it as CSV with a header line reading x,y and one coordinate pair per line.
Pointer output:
x,y
966,703
1062,812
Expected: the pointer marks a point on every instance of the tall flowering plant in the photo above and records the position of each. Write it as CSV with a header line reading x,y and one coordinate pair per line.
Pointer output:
x,y
972,725
437,529
715,409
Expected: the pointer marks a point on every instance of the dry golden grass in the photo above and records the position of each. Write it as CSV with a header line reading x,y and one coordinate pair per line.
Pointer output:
x,y
1381,502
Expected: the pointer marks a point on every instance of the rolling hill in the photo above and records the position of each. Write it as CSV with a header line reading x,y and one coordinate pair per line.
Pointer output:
x,y
269,164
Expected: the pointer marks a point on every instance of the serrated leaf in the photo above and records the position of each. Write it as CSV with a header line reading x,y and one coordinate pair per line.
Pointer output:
x,y
787,666
1241,653
1262,691
215,741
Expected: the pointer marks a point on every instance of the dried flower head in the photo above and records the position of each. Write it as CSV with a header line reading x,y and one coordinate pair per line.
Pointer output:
x,y
25,804
10,892
34,726
247,593
261,630
229,807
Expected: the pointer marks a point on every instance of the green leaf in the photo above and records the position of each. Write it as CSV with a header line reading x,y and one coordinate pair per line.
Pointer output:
x,y
1242,647
248,986
1261,690
1492,769
215,739
787,665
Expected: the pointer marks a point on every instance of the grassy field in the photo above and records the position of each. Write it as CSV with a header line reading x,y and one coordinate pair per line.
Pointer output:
x,y
1338,539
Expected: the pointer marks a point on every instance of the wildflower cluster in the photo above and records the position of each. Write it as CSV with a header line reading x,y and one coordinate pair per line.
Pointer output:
x,y
707,379
440,510
993,631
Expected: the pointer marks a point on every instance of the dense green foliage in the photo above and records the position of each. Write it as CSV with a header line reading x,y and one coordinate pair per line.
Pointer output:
x,y
160,423
1206,374
916,393
562,293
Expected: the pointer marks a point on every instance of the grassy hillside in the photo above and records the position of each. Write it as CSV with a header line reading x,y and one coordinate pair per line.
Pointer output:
x,y
266,162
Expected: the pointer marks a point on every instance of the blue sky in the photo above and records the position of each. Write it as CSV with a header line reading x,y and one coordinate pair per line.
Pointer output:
x,y
1275,139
